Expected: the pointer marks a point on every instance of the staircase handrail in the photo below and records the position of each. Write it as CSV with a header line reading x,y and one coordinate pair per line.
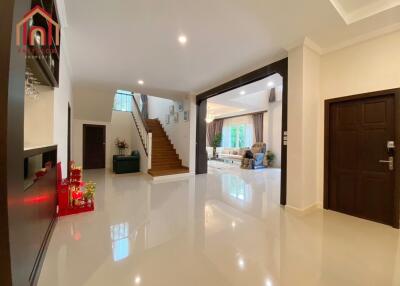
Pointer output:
x,y
144,131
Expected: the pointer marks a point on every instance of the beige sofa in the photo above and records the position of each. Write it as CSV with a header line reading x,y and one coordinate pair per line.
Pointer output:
x,y
235,154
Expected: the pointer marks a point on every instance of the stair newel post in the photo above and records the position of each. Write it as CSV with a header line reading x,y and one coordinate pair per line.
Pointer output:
x,y
149,148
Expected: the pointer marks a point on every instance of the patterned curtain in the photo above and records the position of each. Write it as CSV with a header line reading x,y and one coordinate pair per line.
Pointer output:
x,y
213,129
258,120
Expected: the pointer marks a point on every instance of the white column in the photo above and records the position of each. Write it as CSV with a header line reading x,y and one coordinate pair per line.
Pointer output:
x,y
303,111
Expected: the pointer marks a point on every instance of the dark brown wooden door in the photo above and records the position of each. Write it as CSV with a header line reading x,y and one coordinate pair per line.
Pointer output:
x,y
359,184
94,146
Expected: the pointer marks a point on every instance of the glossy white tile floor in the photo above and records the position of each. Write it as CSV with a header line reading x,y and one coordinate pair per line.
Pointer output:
x,y
224,228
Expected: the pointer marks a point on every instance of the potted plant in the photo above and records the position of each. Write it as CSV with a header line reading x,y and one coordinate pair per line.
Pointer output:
x,y
121,145
88,195
270,158
216,143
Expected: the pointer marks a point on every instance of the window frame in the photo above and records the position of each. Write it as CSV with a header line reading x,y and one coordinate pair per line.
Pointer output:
x,y
122,95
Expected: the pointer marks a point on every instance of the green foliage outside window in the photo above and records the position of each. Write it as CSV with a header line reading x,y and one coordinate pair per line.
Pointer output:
x,y
238,136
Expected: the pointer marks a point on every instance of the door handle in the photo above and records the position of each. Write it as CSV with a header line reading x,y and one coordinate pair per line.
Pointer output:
x,y
390,162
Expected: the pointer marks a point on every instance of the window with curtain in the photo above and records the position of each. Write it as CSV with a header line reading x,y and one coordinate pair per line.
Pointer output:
x,y
238,136
238,132
123,101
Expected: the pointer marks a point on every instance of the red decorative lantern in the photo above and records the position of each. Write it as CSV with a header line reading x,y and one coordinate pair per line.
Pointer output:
x,y
70,196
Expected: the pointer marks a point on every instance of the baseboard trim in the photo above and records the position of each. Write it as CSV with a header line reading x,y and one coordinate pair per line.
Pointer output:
x,y
34,277
176,177
305,210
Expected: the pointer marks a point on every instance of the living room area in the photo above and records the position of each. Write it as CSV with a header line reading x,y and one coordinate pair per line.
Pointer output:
x,y
244,126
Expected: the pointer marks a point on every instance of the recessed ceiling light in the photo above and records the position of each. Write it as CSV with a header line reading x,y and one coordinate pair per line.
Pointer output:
x,y
241,263
268,282
141,82
182,39
271,84
138,279
242,92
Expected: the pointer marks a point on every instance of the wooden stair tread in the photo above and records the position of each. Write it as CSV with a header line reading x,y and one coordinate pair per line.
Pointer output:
x,y
165,161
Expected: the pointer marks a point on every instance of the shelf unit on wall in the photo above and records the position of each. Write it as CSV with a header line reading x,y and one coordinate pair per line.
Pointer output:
x,y
44,62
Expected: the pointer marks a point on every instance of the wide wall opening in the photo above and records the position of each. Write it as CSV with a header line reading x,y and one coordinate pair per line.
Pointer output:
x,y
242,128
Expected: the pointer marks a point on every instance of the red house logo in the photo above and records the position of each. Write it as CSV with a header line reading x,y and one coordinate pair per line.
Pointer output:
x,y
29,37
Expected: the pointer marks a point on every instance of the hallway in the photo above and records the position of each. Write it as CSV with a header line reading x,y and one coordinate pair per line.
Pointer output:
x,y
224,228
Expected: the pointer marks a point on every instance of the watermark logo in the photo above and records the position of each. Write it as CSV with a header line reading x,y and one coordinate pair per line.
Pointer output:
x,y
29,35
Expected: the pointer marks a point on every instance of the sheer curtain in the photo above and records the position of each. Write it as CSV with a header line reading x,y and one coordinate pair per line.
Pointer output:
x,y
238,132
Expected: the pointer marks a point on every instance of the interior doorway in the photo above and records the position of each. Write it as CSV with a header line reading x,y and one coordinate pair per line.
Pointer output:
x,y
244,127
279,68
360,170
94,146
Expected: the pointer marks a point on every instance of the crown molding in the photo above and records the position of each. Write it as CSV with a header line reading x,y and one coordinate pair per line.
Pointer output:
x,y
306,42
363,38
365,11
345,44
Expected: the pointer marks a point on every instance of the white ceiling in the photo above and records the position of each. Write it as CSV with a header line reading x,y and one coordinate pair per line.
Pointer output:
x,y
247,99
113,44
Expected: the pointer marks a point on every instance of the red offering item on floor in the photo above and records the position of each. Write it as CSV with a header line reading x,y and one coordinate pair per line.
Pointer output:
x,y
70,196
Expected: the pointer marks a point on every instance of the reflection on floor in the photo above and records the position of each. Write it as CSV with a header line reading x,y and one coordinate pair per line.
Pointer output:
x,y
213,164
221,229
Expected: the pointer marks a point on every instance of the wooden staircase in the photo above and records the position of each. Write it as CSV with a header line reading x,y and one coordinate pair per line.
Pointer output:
x,y
164,159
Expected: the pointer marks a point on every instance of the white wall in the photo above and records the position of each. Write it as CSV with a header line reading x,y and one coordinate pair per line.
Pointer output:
x,y
369,66
179,133
192,133
121,126
38,118
93,102
295,121
62,97
273,138
303,98
311,94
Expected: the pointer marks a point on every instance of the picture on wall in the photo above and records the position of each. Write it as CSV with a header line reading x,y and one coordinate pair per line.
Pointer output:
x,y
171,110
186,115
167,120
180,106
176,117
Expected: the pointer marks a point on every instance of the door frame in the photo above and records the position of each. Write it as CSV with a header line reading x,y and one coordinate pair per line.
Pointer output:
x,y
69,141
280,67
84,142
328,103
